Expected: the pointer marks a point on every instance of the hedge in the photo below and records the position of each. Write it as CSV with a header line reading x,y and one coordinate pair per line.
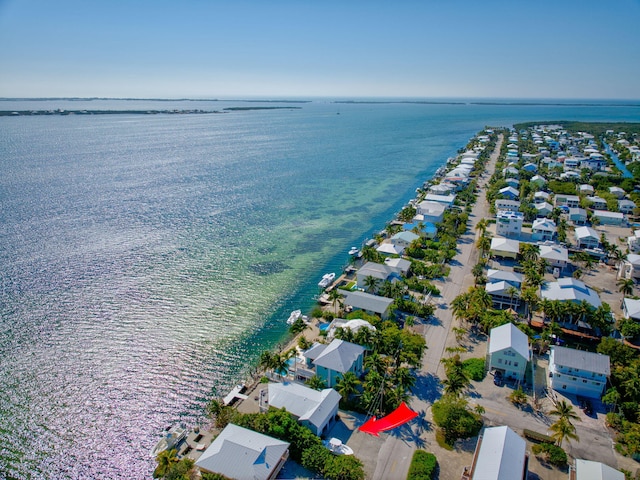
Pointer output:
x,y
423,466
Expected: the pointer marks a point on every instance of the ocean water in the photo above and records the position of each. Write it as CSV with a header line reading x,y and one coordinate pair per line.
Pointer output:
x,y
147,260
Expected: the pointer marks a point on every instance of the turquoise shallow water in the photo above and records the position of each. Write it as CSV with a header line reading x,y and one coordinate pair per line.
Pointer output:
x,y
146,261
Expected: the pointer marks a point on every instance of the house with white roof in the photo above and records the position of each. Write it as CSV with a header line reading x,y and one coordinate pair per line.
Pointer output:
x,y
586,237
501,454
509,223
504,247
578,372
543,229
444,199
242,453
597,203
618,192
399,266
431,211
626,206
590,470
314,409
586,189
541,196
543,209
404,239
388,248
509,192
509,351
334,360
369,303
513,182
630,267
512,278
633,241
556,255
570,201
442,189
503,294
511,172
506,204
578,216
631,308
606,217
570,290
538,180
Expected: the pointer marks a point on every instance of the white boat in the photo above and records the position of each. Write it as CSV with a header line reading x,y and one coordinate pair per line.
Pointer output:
x,y
353,251
295,315
170,439
327,278
336,447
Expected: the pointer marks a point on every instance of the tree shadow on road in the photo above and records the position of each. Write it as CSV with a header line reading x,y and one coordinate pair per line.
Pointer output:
x,y
428,387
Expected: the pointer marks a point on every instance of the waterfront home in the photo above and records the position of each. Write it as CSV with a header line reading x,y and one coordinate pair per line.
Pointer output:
x,y
608,218
381,272
543,209
631,308
590,470
597,203
442,189
431,211
506,204
626,206
314,409
540,197
570,290
586,189
509,192
404,239
509,351
630,267
570,201
242,453
586,237
501,454
617,192
388,248
595,162
556,255
368,303
543,229
353,325
504,247
578,216
578,372
444,199
509,223
399,266
332,361
538,181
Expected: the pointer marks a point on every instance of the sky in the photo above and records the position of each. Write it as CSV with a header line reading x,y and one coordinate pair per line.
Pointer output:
x,y
575,49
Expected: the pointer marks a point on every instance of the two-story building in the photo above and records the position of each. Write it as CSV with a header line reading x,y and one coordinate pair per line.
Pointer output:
x,y
509,351
578,372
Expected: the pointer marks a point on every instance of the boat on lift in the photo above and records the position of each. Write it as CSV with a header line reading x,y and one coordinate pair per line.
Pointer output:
x,y
327,278
171,437
295,315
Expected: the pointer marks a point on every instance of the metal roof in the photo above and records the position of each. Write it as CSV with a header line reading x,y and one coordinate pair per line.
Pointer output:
x,y
581,360
501,455
509,336
339,356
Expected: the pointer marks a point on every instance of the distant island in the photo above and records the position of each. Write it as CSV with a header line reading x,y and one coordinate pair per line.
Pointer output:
x,y
18,113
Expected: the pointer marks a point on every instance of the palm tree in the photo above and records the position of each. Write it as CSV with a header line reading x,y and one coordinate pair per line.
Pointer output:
x,y
347,385
530,296
335,297
564,411
562,429
484,245
626,286
376,363
165,460
460,306
369,253
455,383
482,225
513,292
403,379
316,383
529,251
370,283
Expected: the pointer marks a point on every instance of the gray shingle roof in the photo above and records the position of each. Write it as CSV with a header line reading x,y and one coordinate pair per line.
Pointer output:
x,y
241,453
339,356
